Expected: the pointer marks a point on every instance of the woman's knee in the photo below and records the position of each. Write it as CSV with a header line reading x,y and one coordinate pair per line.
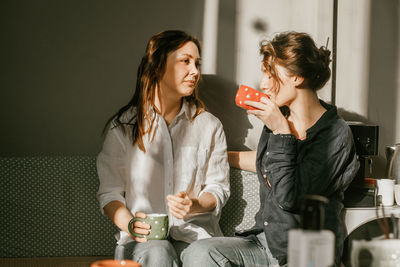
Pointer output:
x,y
155,253
202,246
202,253
161,249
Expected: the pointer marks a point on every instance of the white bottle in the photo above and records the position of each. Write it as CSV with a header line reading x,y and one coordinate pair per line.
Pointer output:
x,y
311,246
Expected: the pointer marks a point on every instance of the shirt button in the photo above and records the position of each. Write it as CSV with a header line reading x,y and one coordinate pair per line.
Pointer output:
x,y
267,153
265,223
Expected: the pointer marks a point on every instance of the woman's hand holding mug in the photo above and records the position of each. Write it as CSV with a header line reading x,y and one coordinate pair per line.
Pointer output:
x,y
151,226
269,113
139,227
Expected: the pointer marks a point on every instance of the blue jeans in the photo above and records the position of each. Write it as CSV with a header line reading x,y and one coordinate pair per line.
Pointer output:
x,y
157,253
229,251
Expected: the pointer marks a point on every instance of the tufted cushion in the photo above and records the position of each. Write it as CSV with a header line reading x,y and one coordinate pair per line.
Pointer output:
x,y
49,207
238,213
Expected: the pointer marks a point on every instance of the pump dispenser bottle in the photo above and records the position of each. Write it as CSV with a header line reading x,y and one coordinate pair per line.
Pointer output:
x,y
311,245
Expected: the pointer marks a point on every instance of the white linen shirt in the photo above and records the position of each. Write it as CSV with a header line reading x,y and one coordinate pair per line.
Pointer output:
x,y
185,156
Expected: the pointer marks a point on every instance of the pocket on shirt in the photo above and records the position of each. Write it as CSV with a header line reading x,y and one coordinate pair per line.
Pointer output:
x,y
192,168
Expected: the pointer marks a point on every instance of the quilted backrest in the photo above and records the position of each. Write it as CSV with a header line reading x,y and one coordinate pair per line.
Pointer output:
x,y
50,207
244,202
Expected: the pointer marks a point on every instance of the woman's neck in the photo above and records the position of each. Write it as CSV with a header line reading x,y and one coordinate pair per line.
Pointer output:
x,y
168,106
305,111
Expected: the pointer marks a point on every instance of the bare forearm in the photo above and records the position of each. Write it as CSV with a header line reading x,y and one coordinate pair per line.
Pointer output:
x,y
245,160
205,203
118,214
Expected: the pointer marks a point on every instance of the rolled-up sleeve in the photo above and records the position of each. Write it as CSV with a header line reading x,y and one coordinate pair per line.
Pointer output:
x,y
217,174
111,169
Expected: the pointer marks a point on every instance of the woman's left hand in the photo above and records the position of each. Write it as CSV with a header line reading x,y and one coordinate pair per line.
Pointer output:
x,y
269,113
180,205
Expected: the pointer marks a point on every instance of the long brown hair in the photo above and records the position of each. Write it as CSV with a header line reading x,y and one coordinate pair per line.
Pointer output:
x,y
149,75
298,54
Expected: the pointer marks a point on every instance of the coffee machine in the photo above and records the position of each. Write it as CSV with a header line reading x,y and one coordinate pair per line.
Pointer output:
x,y
362,191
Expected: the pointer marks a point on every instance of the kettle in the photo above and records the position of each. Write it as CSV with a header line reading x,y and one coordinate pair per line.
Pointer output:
x,y
393,162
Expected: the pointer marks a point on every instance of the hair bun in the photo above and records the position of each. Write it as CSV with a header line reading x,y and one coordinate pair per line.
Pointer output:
x,y
325,55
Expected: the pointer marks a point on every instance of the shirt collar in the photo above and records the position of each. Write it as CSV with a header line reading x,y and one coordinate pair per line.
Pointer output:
x,y
186,110
325,120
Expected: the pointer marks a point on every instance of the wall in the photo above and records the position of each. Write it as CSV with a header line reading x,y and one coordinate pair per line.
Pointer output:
x,y
260,20
242,25
368,73
383,81
67,66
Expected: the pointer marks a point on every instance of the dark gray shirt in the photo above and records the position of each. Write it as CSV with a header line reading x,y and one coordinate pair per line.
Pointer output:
x,y
288,169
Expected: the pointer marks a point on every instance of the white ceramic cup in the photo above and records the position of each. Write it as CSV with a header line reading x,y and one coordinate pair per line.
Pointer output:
x,y
379,253
386,190
397,193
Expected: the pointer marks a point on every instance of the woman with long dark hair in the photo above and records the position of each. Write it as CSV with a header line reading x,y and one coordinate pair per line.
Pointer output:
x,y
164,154
305,148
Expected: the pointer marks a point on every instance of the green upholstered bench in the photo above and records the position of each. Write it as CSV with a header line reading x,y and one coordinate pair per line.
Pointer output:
x,y
49,209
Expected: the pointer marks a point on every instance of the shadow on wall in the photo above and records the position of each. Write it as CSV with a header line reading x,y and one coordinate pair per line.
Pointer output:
x,y
218,95
352,116
68,66
384,75
383,91
218,90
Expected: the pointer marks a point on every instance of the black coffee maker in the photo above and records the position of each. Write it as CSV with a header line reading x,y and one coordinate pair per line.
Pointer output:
x,y
362,191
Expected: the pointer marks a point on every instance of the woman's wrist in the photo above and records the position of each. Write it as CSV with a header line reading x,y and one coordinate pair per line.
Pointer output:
x,y
282,132
233,158
283,129
205,203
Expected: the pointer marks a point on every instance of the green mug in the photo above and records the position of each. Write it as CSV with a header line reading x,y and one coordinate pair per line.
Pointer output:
x,y
158,226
